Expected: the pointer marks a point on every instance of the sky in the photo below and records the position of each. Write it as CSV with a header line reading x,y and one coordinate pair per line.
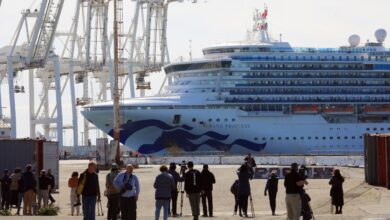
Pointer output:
x,y
303,23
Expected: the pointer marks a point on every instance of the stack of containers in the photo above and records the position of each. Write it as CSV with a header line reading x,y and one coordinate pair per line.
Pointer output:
x,y
377,159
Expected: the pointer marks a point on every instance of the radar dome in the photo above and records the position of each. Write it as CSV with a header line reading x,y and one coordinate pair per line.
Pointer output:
x,y
380,35
354,40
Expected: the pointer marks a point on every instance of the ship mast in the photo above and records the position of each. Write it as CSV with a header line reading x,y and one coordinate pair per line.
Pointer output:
x,y
118,13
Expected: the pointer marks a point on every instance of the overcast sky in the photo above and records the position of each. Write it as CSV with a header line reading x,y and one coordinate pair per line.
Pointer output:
x,y
314,23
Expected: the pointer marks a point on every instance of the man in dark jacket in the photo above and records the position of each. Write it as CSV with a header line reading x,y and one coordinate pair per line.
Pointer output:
x,y
88,187
164,185
208,180
293,183
52,185
29,190
272,188
5,190
175,192
193,188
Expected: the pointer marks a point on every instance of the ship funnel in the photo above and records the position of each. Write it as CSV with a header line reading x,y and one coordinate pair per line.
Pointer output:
x,y
354,40
380,35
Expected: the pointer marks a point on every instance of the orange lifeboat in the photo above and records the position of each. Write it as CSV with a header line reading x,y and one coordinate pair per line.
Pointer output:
x,y
339,110
305,109
382,110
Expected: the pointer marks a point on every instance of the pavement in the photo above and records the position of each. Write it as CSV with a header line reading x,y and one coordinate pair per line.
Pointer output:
x,y
362,201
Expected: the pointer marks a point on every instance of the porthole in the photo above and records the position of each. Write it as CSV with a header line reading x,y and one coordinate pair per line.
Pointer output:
x,y
194,120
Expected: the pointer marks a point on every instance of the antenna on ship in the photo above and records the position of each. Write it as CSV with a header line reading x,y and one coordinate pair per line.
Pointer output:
x,y
260,28
190,47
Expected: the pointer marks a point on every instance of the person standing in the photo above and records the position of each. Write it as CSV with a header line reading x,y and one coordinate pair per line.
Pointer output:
x,y
5,190
44,187
175,192
336,191
193,188
128,186
272,188
88,187
112,194
244,189
16,196
52,185
293,184
29,190
72,184
164,185
208,179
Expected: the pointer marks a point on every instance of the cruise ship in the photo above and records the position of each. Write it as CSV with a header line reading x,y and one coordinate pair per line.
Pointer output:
x,y
264,97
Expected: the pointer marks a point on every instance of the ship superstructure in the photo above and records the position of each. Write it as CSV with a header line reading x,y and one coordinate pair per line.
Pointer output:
x,y
262,96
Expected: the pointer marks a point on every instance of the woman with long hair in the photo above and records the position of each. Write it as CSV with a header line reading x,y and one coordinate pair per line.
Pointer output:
x,y
336,192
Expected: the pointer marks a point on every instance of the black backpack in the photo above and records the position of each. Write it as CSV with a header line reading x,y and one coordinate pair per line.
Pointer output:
x,y
234,187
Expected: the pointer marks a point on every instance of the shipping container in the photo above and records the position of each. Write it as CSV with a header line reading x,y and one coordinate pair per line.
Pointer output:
x,y
381,162
20,152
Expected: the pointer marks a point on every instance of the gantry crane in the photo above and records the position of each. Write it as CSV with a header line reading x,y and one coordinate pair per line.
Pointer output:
x,y
35,54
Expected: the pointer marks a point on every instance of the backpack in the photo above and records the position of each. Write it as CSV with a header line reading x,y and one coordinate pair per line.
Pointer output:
x,y
234,187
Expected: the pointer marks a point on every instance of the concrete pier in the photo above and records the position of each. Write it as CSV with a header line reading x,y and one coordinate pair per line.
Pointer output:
x,y
361,200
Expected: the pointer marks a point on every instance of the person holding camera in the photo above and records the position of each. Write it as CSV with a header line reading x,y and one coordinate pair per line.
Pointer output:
x,y
164,185
128,186
193,188
88,187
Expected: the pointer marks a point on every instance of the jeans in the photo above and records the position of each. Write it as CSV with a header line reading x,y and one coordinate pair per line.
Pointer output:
x,y
89,207
20,199
174,202
209,196
243,203
162,203
5,199
113,206
128,208
272,200
195,203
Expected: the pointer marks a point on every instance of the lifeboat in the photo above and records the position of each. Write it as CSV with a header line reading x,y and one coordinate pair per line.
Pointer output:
x,y
379,110
338,110
305,109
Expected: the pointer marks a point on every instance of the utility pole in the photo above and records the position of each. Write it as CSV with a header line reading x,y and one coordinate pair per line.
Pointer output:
x,y
117,23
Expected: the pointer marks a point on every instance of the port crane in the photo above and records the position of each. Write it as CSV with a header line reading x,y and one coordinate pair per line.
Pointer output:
x,y
34,55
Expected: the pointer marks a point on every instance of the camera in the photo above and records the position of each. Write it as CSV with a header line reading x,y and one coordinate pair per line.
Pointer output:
x,y
183,167
126,187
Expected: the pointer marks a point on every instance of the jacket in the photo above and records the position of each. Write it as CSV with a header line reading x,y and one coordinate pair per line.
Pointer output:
x,y
193,182
15,178
110,189
164,185
5,183
244,187
208,180
88,184
29,182
272,185
73,182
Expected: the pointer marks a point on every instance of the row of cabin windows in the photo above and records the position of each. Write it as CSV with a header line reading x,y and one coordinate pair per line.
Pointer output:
x,y
310,138
217,120
376,129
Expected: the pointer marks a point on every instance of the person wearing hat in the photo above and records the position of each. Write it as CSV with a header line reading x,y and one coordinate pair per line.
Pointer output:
x,y
193,188
112,193
208,179
44,187
5,190
272,188
175,192
293,183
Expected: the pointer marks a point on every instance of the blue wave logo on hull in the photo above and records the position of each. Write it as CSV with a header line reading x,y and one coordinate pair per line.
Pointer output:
x,y
178,139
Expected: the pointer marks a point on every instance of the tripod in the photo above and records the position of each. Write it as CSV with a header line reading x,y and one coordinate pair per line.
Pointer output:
x,y
181,188
100,208
252,207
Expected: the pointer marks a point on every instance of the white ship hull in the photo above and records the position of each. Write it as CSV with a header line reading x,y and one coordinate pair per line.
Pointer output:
x,y
236,132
